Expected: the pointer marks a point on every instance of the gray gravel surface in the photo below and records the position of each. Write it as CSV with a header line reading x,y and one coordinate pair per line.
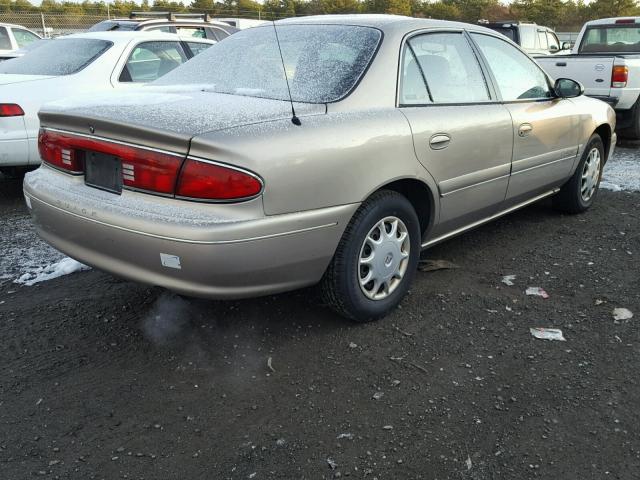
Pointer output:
x,y
102,378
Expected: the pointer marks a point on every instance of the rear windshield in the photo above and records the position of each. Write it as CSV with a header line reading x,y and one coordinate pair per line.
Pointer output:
x,y
57,57
323,62
508,32
109,25
611,39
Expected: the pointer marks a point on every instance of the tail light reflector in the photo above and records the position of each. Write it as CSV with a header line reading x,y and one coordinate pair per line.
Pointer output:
x,y
210,181
11,110
619,76
57,149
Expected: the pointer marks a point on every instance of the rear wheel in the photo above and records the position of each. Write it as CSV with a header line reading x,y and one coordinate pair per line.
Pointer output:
x,y
578,194
376,259
632,132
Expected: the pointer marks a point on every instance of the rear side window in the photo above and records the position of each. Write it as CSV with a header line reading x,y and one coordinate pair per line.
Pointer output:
x,y
517,76
24,37
151,60
197,32
63,56
161,28
542,39
220,33
447,66
5,42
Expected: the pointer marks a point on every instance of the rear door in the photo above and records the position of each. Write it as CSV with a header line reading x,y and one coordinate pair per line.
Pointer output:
x,y
545,128
461,134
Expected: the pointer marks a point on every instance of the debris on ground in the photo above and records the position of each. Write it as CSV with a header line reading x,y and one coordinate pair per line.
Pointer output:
x,y
547,334
332,463
468,462
269,366
378,395
622,314
348,436
433,265
537,291
352,345
508,279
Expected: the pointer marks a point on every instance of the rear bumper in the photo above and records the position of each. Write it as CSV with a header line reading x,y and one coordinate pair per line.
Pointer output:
x,y
212,251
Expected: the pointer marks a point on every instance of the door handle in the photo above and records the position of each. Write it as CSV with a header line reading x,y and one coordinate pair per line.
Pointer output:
x,y
561,64
524,130
439,141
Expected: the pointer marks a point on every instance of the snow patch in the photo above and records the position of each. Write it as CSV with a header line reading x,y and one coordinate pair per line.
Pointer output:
x,y
65,266
622,172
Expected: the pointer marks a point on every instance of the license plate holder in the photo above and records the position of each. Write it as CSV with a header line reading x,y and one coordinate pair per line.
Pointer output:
x,y
103,171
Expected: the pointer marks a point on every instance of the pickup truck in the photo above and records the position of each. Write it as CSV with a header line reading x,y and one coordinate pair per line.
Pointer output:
x,y
532,38
606,61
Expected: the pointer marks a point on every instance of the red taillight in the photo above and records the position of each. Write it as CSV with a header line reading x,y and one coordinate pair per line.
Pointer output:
x,y
11,110
209,181
619,76
57,150
150,170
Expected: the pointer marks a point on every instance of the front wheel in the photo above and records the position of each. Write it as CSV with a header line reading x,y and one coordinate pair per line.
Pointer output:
x,y
376,259
578,194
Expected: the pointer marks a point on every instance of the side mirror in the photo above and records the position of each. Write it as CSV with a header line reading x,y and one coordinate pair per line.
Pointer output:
x,y
567,88
567,45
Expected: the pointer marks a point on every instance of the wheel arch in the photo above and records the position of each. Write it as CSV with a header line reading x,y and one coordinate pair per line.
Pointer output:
x,y
419,195
604,131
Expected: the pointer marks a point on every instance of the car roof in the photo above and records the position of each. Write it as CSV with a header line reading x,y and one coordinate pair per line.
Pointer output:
x,y
126,36
166,21
13,25
381,21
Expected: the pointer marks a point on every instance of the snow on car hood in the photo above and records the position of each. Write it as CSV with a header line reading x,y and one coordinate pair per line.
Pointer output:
x,y
9,78
189,110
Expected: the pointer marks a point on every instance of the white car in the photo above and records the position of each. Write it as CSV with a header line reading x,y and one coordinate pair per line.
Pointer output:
x,y
78,64
14,37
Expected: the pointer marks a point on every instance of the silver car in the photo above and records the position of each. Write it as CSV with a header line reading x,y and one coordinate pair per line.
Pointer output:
x,y
400,133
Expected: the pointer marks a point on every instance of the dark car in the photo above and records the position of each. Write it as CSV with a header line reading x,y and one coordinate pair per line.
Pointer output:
x,y
185,24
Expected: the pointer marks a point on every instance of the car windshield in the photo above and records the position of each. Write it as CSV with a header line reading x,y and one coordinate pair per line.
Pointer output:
x,y
623,38
57,57
323,62
109,25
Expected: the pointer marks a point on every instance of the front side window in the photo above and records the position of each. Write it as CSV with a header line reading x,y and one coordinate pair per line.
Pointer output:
x,y
197,32
554,44
5,42
542,39
62,56
24,37
151,60
323,63
517,76
615,39
449,67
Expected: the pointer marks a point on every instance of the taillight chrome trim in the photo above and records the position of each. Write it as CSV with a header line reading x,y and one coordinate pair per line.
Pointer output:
x,y
117,142
230,167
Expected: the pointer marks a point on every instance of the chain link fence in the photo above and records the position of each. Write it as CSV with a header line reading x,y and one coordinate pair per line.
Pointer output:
x,y
55,24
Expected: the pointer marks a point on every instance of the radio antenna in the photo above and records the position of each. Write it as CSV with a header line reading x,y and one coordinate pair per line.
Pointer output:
x,y
294,119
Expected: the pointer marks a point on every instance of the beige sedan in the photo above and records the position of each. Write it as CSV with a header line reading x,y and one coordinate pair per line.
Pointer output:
x,y
401,133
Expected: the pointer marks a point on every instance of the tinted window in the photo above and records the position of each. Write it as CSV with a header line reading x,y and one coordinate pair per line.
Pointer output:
x,y
5,42
323,62
508,32
518,77
611,39
220,33
198,47
197,32
527,37
24,37
57,57
151,60
449,66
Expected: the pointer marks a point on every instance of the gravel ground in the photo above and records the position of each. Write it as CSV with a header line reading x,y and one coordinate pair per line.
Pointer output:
x,y
102,378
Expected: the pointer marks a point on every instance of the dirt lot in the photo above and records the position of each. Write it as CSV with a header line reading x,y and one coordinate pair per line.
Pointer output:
x,y
101,378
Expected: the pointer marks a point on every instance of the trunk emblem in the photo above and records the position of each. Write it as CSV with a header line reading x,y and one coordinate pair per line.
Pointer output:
x,y
92,129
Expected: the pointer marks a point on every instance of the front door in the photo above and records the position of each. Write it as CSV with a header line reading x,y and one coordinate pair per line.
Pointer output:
x,y
545,128
461,135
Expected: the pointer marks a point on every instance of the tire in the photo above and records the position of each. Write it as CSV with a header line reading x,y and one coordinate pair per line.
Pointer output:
x,y
632,132
341,284
571,197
